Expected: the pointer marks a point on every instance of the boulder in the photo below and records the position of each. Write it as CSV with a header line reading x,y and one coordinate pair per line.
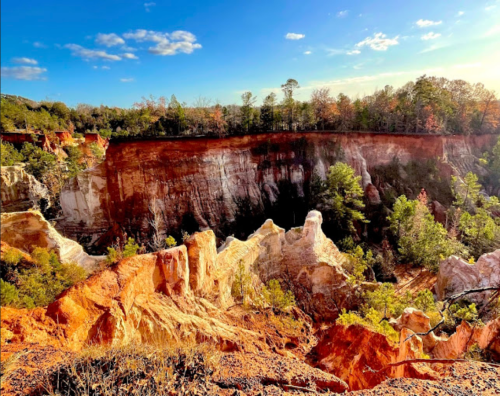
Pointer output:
x,y
21,191
456,275
372,195
27,230
438,211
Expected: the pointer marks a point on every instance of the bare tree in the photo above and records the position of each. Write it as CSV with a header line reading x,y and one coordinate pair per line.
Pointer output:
x,y
156,222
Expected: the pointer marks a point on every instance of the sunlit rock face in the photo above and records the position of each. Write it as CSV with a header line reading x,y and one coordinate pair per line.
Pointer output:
x,y
208,179
21,191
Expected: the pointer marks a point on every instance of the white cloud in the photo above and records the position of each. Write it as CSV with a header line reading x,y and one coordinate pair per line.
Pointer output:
x,y
148,6
128,48
25,61
335,51
379,42
105,67
109,40
354,52
78,50
294,36
95,67
431,36
307,53
166,43
126,80
128,55
342,14
423,23
38,44
28,73
489,8
460,13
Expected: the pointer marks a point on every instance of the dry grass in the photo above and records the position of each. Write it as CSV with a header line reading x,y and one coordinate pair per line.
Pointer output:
x,y
143,369
9,366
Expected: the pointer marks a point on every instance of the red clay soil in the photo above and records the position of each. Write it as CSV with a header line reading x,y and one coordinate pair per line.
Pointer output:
x,y
413,280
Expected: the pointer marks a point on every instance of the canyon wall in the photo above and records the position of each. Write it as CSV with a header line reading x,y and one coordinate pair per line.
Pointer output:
x,y
209,179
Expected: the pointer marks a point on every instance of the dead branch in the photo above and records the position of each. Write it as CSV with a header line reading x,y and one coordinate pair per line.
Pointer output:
x,y
432,361
470,291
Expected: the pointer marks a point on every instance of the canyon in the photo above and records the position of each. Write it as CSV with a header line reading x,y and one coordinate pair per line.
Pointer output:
x,y
203,183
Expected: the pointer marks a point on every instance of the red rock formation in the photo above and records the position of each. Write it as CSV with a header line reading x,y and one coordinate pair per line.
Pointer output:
x,y
360,356
207,177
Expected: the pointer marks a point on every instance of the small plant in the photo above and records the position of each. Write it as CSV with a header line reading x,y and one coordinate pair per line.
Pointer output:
x,y
242,285
372,320
185,236
277,298
462,311
120,251
12,256
9,295
425,301
170,241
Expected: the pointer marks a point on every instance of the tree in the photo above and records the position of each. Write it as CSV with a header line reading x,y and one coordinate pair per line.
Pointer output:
x,y
39,161
9,295
422,240
247,109
480,232
9,154
345,112
276,297
466,193
323,105
288,89
342,200
267,112
242,285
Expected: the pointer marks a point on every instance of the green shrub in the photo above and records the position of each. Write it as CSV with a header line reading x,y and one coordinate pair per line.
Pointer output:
x,y
170,241
425,301
41,284
372,320
9,295
12,257
118,252
9,154
276,297
242,285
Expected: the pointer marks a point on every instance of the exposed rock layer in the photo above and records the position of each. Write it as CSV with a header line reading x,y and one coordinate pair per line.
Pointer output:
x,y
21,191
208,177
28,230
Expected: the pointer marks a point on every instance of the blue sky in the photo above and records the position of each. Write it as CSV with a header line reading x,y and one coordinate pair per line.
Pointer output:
x,y
115,52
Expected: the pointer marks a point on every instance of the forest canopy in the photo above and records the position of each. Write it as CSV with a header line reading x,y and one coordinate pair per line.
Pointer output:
x,y
430,105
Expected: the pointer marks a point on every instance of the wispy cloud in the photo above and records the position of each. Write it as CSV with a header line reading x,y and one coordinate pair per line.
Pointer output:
x,y
379,42
353,52
28,73
490,7
342,14
431,36
25,61
129,55
102,67
38,44
294,36
307,53
87,54
148,6
166,43
109,40
126,80
460,13
423,23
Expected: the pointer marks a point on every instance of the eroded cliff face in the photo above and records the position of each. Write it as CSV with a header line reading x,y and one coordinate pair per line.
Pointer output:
x,y
211,178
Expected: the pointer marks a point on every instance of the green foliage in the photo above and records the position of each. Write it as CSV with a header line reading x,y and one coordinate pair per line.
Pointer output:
x,y
372,320
119,252
356,262
170,241
12,256
242,284
422,240
343,197
39,162
9,154
425,301
384,300
74,160
463,311
97,151
466,193
9,295
480,232
275,297
39,285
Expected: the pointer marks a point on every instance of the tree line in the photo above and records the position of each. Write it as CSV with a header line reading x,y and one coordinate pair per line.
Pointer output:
x,y
429,105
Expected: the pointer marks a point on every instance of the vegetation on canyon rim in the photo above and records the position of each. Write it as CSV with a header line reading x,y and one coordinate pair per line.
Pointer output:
x,y
428,105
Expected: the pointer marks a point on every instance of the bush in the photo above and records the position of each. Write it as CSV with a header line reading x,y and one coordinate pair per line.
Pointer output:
x,y
372,320
41,284
9,295
119,252
170,241
9,154
242,285
12,257
277,298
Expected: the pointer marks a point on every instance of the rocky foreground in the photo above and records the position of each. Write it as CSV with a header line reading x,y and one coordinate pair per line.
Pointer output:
x,y
182,297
